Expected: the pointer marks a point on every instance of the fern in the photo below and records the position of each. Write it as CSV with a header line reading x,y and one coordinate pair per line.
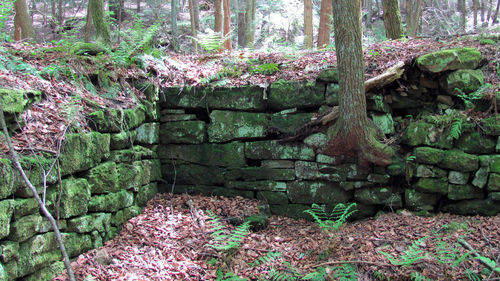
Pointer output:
x,y
339,215
212,41
220,276
346,272
222,238
318,275
491,263
456,128
410,256
446,254
137,39
415,276
268,258
266,69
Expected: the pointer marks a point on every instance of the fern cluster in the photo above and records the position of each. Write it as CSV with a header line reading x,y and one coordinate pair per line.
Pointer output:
x,y
337,217
135,40
212,41
345,272
222,238
266,69
410,256
452,120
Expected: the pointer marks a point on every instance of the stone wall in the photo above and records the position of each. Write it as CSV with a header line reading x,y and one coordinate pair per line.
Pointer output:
x,y
226,141
106,177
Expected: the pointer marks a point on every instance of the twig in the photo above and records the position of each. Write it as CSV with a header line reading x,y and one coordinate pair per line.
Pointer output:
x,y
350,262
466,245
46,213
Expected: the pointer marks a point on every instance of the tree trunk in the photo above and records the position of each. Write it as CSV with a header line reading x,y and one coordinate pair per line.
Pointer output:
x,y
227,23
218,16
475,4
482,7
250,21
242,23
463,14
308,26
23,26
192,16
325,23
414,13
138,4
392,19
101,26
369,15
352,133
60,12
174,11
116,7
88,26
495,16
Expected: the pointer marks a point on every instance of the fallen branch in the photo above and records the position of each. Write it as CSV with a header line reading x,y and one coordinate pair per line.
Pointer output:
x,y
41,204
390,75
466,245
349,262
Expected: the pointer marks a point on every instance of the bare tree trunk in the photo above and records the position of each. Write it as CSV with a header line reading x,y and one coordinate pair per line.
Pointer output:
x,y
369,15
23,26
475,6
173,15
89,25
250,21
218,16
463,14
60,12
482,8
414,12
242,24
495,16
193,25
227,23
101,26
392,19
325,23
308,27
352,134
138,4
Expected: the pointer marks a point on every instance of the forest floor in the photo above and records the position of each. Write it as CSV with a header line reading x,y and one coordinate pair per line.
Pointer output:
x,y
170,241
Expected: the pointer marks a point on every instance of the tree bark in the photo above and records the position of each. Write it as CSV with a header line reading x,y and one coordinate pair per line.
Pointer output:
x,y
475,7
227,23
250,22
463,14
116,7
23,27
325,23
218,16
101,26
192,17
60,12
308,26
242,23
392,19
413,17
495,16
352,134
173,15
138,4
369,15
88,26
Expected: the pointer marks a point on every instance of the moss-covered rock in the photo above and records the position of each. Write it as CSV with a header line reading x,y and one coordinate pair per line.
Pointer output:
x,y
128,176
494,163
428,155
124,215
90,223
36,169
7,178
46,273
463,81
259,173
227,155
111,202
82,151
475,143
415,199
212,191
329,75
146,193
25,227
432,185
15,102
397,168
257,222
307,192
459,161
24,207
278,164
122,140
148,133
229,125
464,191
103,178
134,154
422,133
76,243
313,171
6,210
288,94
295,211
192,174
275,150
378,196
484,207
384,122
29,263
192,132
427,171
3,274
272,197
378,178
481,177
456,177
83,48
73,199
332,94
491,126
247,98
316,141
108,121
288,123
9,250
451,59
264,185
494,182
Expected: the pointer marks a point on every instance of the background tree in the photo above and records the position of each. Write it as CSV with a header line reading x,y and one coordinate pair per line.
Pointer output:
x,y
23,26
353,133
308,25
227,23
325,23
101,26
174,4
250,21
463,14
495,15
414,13
242,26
218,15
195,21
116,9
475,8
392,19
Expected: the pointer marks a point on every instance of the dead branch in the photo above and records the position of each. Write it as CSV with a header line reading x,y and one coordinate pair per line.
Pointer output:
x,y
390,75
41,204
349,262
467,246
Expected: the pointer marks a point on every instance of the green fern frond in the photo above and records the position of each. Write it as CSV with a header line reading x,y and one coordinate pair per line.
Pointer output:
x,y
222,238
266,69
346,272
338,216
268,258
212,41
410,256
415,276
318,275
456,128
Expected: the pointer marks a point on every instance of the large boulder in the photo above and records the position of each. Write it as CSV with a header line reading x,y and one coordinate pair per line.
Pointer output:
x,y
229,125
451,59
462,81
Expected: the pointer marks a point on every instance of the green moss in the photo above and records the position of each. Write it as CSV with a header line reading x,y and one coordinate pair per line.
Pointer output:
x,y
462,81
288,94
451,59
82,48
432,185
111,202
6,210
459,161
229,125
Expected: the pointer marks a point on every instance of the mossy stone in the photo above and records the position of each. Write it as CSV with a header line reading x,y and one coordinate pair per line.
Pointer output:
x,y
111,202
107,121
6,210
246,98
122,140
459,161
192,174
295,211
329,75
451,59
475,143
288,123
313,171
481,177
289,94
463,81
318,140
134,154
428,155
25,227
464,191
308,192
124,215
16,101
29,263
259,173
226,155
83,48
427,171
494,182
90,223
73,199
271,149
146,193
422,133
384,122
332,94
134,117
272,197
257,222
80,152
495,163
24,207
415,199
456,177
264,185
192,132
212,191
229,125
378,196
483,207
432,185
3,274
47,273
491,126
148,133
9,250
103,178
77,243
186,97
396,169
35,168
7,178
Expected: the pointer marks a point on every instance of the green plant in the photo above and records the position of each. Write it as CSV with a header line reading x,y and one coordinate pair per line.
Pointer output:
x,y
266,69
416,276
470,98
229,276
6,9
337,217
137,39
452,119
268,258
346,272
410,256
222,238
212,41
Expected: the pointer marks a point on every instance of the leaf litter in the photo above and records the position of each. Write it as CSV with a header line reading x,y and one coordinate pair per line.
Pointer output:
x,y
168,242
